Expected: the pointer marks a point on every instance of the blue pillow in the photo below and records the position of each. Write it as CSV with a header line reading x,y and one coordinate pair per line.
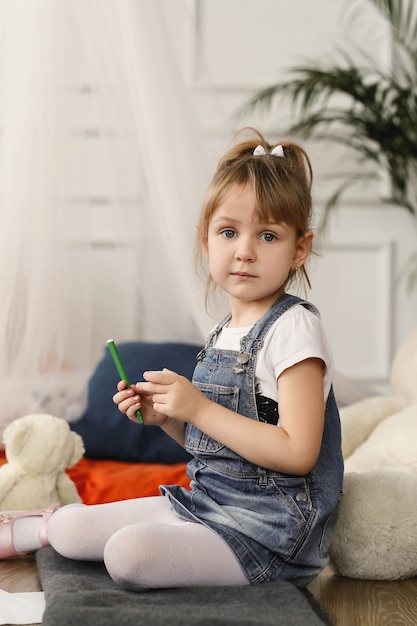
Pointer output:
x,y
107,433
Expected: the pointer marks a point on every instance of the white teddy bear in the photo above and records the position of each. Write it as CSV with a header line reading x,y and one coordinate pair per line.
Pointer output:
x,y
376,533
38,449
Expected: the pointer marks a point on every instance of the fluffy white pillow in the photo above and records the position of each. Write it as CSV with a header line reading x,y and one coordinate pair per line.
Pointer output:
x,y
404,370
376,533
391,446
360,419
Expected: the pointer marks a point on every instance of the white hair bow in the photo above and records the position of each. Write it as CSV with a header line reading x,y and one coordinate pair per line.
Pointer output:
x,y
277,151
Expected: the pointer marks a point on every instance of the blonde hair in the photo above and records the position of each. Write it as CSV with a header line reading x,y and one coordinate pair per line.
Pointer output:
x,y
282,187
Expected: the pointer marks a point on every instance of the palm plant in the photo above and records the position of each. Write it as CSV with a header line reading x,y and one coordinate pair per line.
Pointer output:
x,y
374,112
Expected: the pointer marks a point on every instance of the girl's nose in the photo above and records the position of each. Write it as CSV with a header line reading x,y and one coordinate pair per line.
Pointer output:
x,y
245,250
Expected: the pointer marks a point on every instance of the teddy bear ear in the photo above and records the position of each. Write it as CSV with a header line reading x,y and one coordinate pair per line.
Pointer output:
x,y
16,435
78,449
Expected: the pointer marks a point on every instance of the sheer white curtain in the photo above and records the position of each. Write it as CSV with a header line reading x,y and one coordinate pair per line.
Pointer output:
x,y
44,313
123,50
130,48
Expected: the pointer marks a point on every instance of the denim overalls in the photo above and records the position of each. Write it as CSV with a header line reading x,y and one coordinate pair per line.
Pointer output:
x,y
278,525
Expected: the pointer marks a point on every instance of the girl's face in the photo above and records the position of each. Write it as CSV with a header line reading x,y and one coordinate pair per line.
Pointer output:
x,y
250,260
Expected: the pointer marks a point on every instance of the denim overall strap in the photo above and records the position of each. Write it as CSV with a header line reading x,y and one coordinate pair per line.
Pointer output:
x,y
212,337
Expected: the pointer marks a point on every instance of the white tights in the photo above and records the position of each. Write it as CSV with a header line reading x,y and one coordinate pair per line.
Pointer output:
x,y
142,543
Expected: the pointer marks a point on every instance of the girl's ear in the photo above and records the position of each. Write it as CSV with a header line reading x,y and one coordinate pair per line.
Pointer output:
x,y
303,248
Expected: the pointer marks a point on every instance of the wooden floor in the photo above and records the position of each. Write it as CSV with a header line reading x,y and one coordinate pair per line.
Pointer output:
x,y
365,602
350,602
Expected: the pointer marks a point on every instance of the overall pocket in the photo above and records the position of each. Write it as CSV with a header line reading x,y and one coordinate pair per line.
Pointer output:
x,y
295,513
195,439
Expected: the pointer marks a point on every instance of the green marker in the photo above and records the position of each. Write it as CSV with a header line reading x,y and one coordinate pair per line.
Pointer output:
x,y
122,372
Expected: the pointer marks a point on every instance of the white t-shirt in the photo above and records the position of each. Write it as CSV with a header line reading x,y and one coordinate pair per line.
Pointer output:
x,y
297,334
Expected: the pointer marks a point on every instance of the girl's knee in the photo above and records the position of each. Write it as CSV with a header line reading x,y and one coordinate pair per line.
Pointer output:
x,y
135,556
123,559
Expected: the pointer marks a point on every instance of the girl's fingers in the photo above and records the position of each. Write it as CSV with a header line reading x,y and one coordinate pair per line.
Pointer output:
x,y
164,377
123,394
131,412
127,399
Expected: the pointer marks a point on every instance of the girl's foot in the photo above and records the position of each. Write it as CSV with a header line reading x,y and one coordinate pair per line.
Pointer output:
x,y
7,519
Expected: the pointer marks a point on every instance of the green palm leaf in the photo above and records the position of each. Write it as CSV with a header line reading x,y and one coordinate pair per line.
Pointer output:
x,y
369,109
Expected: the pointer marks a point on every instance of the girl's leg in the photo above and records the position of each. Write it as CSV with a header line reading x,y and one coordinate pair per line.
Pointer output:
x,y
170,555
80,532
144,544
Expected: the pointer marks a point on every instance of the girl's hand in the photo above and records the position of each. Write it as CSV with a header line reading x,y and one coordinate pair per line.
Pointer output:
x,y
172,395
129,401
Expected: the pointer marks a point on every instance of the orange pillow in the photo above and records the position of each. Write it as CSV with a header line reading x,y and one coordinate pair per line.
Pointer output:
x,y
99,481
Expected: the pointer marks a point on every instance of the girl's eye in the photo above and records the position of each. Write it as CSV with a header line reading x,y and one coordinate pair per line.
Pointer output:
x,y
228,233
268,237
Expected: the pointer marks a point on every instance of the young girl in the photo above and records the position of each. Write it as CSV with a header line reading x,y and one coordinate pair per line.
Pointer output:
x,y
259,418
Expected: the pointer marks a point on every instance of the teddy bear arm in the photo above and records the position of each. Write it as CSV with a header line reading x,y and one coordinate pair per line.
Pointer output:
x,y
8,479
67,491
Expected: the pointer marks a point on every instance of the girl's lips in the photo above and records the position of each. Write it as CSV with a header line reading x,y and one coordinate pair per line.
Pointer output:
x,y
243,274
